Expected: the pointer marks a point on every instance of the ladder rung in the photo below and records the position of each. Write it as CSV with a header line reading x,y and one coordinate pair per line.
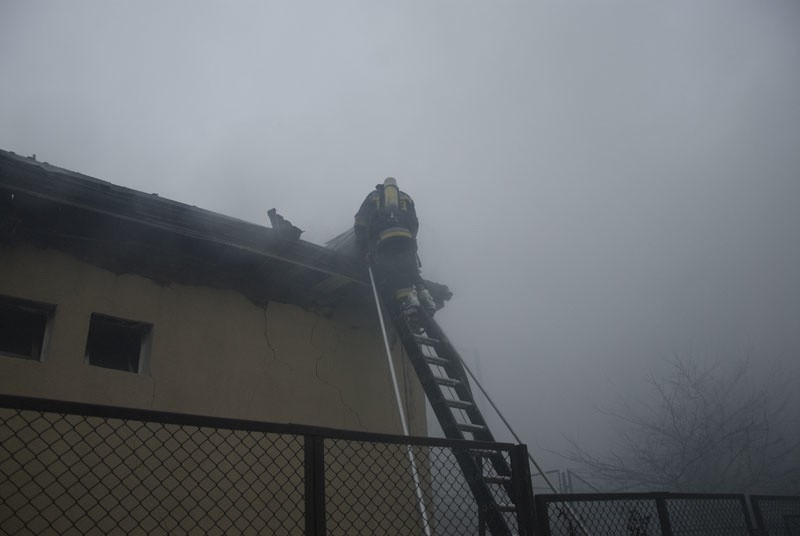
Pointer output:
x,y
506,508
465,427
422,339
460,404
449,382
433,360
497,480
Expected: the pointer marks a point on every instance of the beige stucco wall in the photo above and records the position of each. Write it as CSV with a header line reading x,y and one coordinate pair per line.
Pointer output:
x,y
213,352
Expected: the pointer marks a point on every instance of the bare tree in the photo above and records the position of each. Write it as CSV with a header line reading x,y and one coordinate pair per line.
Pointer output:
x,y
706,430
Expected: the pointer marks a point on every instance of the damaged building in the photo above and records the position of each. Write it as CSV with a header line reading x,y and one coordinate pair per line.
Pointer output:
x,y
168,369
118,297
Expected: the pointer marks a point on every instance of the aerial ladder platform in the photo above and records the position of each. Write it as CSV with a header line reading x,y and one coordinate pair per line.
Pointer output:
x,y
444,380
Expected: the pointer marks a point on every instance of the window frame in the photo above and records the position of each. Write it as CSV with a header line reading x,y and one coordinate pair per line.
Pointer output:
x,y
31,307
145,334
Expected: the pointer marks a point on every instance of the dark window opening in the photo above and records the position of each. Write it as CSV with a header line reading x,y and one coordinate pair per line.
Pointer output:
x,y
23,327
115,343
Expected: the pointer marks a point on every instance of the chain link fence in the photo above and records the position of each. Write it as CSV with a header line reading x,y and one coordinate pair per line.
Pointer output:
x,y
777,515
643,514
81,469
70,468
62,474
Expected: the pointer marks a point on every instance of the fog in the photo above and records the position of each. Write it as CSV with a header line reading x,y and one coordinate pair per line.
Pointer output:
x,y
601,184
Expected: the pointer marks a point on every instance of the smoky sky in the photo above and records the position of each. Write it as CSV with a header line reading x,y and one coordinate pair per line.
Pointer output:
x,y
600,183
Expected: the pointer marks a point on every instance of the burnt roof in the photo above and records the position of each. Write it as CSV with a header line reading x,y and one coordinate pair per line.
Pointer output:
x,y
128,231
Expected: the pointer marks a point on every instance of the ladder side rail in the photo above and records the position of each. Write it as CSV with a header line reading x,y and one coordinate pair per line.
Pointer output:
x,y
446,350
436,332
468,463
427,379
455,370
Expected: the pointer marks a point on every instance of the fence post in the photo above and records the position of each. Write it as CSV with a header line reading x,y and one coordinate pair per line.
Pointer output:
x,y
542,516
523,489
314,447
663,516
760,527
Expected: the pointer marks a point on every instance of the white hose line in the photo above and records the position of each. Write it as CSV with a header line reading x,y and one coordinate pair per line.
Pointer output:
x,y
418,488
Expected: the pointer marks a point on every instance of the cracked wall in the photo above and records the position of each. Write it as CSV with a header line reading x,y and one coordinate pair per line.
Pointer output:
x,y
212,352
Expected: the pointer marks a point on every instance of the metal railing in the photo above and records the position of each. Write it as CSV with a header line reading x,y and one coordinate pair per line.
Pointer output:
x,y
639,514
69,468
667,514
777,514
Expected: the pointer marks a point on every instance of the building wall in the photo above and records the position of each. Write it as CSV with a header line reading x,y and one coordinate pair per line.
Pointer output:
x,y
212,351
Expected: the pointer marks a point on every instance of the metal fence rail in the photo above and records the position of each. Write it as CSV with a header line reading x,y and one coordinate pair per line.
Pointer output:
x,y
69,468
639,514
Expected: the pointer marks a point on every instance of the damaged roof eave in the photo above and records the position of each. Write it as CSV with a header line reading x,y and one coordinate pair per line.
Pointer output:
x,y
290,261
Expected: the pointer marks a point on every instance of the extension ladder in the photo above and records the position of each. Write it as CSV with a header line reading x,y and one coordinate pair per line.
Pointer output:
x,y
442,375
